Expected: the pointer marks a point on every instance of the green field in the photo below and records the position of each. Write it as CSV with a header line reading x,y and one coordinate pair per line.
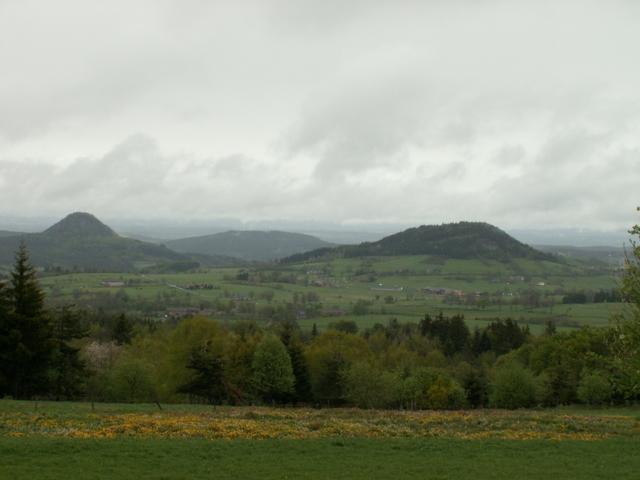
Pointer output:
x,y
51,440
392,286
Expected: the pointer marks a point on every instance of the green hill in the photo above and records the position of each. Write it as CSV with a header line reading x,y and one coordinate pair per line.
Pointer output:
x,y
463,240
249,245
82,242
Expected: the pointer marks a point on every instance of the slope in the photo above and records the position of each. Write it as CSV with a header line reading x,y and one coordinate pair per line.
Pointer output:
x,y
249,245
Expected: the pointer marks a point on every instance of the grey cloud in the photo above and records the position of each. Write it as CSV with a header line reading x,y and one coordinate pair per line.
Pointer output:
x,y
399,111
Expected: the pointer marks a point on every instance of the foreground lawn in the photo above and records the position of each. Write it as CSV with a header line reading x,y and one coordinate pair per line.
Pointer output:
x,y
47,458
73,440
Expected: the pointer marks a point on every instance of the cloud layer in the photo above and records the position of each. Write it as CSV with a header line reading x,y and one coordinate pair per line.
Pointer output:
x,y
518,113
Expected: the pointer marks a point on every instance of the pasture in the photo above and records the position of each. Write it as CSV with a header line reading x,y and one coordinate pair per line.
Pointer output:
x,y
392,287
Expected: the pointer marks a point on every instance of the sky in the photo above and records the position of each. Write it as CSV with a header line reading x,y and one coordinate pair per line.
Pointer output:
x,y
524,114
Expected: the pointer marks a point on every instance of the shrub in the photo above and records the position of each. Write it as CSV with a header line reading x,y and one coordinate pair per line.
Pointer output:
x,y
594,389
513,387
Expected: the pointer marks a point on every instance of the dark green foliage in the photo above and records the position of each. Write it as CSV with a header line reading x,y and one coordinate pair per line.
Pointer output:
x,y
68,369
476,387
453,240
346,326
290,337
500,336
25,333
208,381
451,332
122,330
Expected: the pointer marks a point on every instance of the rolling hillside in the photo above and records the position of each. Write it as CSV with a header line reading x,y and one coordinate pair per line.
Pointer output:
x,y
249,245
80,241
463,240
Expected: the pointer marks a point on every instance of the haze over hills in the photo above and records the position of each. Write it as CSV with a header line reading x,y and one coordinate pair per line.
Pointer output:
x,y
461,240
81,241
249,245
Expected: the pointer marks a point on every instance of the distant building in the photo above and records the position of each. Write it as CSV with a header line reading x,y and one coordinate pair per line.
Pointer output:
x,y
112,283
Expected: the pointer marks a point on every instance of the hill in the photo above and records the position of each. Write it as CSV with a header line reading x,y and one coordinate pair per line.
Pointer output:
x,y
6,233
250,245
82,242
463,240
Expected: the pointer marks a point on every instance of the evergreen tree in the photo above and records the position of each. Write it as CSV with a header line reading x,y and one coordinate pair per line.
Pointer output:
x,y
27,297
67,366
6,328
290,337
26,333
122,331
208,380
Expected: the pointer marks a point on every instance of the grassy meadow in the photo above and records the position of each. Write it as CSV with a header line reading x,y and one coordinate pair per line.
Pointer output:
x,y
74,440
393,286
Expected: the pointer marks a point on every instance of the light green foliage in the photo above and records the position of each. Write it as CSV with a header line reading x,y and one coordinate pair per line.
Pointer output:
x,y
625,335
595,389
368,386
132,380
513,386
328,356
273,375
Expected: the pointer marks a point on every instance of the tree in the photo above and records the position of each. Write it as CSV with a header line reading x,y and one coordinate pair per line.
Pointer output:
x,y
67,365
624,339
329,355
368,386
25,332
513,387
122,330
273,376
290,337
208,380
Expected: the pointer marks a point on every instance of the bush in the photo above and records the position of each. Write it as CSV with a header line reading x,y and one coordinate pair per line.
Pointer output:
x,y
513,387
369,387
594,389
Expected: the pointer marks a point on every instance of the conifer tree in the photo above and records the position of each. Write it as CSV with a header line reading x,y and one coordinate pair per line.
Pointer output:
x,y
26,331
67,366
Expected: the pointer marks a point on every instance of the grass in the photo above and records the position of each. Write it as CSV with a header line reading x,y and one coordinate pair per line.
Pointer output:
x,y
43,458
350,280
37,441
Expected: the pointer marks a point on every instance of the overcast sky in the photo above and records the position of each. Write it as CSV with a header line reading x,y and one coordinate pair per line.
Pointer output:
x,y
522,114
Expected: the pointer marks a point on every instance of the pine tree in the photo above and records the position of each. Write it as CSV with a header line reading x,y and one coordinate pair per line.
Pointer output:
x,y
28,298
208,381
26,333
68,368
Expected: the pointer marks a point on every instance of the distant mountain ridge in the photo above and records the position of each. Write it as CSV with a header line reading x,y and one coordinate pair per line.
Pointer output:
x,y
461,240
81,241
249,245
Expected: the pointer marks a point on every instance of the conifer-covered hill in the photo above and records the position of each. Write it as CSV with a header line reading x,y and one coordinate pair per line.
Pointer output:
x,y
249,245
82,242
463,240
